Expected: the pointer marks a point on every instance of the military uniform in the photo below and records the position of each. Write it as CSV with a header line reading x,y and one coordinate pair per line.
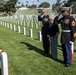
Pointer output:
x,y
67,36
45,25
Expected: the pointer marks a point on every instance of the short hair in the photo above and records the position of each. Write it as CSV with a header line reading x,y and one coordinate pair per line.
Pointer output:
x,y
52,16
44,11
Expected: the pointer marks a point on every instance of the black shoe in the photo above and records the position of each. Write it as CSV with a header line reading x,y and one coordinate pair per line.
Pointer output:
x,y
67,65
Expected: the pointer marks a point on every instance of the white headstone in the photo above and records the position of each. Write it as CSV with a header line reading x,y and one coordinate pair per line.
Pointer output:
x,y
36,26
11,26
24,23
27,24
4,63
7,25
18,29
14,28
39,36
31,23
21,22
30,33
24,30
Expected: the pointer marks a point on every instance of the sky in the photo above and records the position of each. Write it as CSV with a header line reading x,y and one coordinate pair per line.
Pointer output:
x,y
37,3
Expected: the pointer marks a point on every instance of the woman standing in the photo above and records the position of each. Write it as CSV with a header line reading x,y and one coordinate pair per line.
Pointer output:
x,y
53,32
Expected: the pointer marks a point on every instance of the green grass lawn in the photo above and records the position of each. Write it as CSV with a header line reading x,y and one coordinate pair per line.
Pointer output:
x,y
26,11
26,56
30,12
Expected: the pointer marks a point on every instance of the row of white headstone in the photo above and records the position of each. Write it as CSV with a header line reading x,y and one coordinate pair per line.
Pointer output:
x,y
33,22
15,28
21,18
24,23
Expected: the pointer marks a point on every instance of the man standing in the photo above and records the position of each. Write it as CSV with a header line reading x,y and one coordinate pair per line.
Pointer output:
x,y
44,17
68,34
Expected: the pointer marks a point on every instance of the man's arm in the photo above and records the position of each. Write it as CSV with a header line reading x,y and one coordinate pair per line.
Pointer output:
x,y
58,19
40,17
73,27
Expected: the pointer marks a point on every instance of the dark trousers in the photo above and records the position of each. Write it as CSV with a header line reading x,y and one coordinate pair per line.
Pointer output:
x,y
53,46
45,40
67,54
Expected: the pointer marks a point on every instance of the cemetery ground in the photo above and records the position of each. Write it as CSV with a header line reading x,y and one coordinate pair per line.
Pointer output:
x,y
26,56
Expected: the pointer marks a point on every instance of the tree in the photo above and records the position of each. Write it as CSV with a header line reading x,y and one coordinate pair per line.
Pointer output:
x,y
19,2
1,8
7,7
56,7
33,6
44,5
10,6
27,3
22,5
14,1
69,3
53,7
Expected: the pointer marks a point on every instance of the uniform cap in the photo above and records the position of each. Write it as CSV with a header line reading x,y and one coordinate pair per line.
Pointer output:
x,y
63,9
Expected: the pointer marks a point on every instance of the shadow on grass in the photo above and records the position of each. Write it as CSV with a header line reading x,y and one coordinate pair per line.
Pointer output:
x,y
31,47
36,39
74,50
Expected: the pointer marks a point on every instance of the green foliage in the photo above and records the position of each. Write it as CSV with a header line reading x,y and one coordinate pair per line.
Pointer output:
x,y
13,1
27,12
33,6
40,11
44,5
71,0
18,7
56,7
9,6
74,9
53,7
68,3
2,8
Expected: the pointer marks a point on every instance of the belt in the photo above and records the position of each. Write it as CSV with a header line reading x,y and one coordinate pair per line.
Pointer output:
x,y
66,30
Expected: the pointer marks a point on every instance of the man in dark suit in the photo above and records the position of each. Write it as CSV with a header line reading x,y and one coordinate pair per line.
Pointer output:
x,y
44,17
